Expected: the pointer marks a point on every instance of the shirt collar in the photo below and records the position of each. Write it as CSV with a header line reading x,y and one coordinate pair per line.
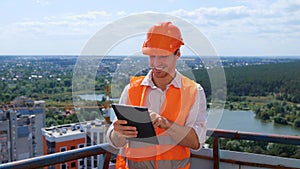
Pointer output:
x,y
176,82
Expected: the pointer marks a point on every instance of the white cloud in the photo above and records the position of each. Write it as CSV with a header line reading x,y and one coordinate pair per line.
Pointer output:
x,y
249,23
270,28
232,19
91,15
42,2
286,5
70,24
121,13
280,17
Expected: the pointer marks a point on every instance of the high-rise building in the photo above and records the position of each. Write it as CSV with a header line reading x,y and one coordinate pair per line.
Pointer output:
x,y
38,111
5,155
73,136
20,134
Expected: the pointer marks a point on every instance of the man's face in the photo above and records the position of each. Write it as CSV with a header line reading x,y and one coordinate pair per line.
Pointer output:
x,y
163,66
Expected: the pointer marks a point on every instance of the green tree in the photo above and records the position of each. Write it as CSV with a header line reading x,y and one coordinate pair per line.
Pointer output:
x,y
233,145
282,150
297,122
51,122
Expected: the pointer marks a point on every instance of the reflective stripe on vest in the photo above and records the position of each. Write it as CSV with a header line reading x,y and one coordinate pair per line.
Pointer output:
x,y
165,164
174,109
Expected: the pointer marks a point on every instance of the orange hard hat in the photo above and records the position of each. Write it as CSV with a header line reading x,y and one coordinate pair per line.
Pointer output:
x,y
162,39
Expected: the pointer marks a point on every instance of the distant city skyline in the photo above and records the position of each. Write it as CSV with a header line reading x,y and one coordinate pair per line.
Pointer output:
x,y
235,28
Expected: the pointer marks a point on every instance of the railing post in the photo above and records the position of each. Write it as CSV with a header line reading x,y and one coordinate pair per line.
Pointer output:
x,y
107,158
216,150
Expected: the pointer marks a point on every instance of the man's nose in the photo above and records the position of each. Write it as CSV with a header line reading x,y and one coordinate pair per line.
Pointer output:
x,y
156,61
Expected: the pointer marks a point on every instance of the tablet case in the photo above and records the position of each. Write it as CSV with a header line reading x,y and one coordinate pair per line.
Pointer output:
x,y
140,118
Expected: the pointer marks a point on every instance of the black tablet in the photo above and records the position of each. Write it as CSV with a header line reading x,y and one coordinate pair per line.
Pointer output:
x,y
140,118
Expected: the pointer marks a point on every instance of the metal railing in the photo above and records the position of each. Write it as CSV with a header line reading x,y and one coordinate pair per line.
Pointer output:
x,y
61,157
107,150
216,134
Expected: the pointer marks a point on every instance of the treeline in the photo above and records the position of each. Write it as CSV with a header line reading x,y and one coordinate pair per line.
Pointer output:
x,y
52,90
281,80
279,112
46,89
258,147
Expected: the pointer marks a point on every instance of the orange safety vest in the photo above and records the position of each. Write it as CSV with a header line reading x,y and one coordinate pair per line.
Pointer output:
x,y
174,109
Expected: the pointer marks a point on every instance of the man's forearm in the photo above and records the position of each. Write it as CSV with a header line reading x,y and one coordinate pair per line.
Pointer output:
x,y
117,139
185,136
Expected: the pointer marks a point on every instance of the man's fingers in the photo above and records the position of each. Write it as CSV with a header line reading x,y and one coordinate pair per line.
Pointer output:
x,y
130,134
157,122
126,128
119,122
126,131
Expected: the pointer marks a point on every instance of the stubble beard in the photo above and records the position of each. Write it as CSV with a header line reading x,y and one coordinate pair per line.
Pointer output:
x,y
159,73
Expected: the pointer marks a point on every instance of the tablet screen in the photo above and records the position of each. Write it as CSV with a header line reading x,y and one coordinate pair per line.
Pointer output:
x,y
140,118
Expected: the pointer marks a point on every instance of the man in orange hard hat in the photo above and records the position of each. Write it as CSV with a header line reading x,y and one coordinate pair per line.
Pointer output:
x,y
177,104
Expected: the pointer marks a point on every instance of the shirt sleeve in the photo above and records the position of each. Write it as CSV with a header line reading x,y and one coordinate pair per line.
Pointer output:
x,y
197,118
123,100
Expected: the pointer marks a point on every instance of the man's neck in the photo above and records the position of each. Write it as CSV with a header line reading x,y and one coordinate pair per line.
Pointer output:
x,y
163,82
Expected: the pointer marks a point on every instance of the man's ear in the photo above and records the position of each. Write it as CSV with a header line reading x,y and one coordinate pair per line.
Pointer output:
x,y
178,53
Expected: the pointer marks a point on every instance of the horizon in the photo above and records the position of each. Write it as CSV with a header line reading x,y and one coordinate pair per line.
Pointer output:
x,y
225,56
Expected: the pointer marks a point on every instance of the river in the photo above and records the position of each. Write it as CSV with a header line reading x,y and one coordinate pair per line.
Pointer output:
x,y
98,97
246,121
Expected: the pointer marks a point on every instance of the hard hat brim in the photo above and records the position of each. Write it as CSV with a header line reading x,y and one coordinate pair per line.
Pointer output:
x,y
156,52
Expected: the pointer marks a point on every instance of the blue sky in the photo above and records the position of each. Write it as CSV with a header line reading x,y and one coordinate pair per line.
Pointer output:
x,y
235,28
